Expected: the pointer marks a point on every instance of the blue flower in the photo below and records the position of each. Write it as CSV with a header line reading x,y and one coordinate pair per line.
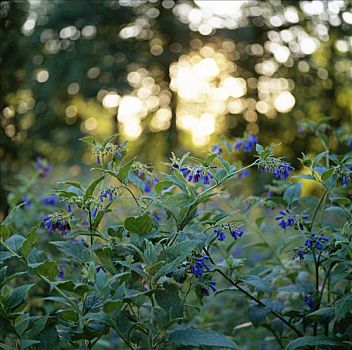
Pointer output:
x,y
243,174
247,144
220,234
43,167
61,272
236,233
283,170
309,301
238,145
195,175
349,143
212,286
52,224
316,241
95,211
199,264
52,199
217,149
27,202
98,159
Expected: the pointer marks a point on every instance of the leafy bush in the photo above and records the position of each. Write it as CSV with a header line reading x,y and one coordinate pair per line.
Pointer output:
x,y
143,260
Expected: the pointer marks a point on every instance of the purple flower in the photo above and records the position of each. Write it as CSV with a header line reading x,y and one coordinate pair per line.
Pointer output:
x,y
43,167
52,199
61,272
199,264
235,233
217,149
27,202
243,174
238,145
309,301
247,144
283,170
220,234
349,143
59,224
98,159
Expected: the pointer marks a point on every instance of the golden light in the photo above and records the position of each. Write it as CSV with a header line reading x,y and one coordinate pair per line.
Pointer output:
x,y
284,102
111,100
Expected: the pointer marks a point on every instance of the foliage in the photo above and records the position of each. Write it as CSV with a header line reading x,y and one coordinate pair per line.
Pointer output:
x,y
137,258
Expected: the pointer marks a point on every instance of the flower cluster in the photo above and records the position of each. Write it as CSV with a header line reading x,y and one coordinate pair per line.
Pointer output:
x,y
314,241
56,222
198,267
108,192
43,167
234,230
149,178
247,143
287,219
51,199
195,174
278,167
110,149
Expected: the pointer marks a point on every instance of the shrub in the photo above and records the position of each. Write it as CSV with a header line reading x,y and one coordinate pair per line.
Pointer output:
x,y
135,256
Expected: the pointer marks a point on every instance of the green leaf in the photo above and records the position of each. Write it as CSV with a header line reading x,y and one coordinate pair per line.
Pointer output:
x,y
18,295
4,232
162,185
257,314
343,306
198,337
15,242
327,174
139,224
169,299
26,343
29,242
49,339
124,170
75,251
259,148
311,341
257,282
92,186
293,193
88,139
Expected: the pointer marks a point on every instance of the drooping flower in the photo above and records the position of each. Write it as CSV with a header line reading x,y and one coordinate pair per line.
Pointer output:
x,y
54,222
27,202
51,199
198,265
248,143
217,149
283,170
316,241
235,233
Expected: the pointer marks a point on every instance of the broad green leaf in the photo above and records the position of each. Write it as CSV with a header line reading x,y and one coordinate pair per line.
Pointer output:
x,y
198,337
257,282
4,232
162,185
18,295
139,224
311,341
90,189
257,314
124,170
49,339
26,343
169,299
15,242
30,240
75,251
343,306
293,193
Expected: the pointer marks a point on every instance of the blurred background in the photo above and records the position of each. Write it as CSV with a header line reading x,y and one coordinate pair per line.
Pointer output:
x,y
167,76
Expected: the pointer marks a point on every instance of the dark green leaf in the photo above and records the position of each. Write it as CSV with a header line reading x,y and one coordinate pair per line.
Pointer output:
x,y
311,341
139,224
18,295
198,337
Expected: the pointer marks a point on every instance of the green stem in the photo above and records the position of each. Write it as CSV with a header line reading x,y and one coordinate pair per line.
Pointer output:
x,y
252,297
